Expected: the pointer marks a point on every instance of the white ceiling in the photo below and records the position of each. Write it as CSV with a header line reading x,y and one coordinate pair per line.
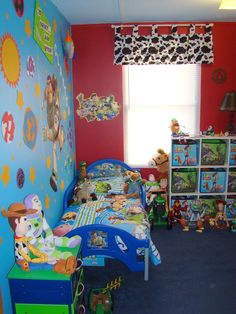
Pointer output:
x,y
124,11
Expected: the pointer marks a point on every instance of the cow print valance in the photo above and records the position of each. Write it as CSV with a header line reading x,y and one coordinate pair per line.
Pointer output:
x,y
171,48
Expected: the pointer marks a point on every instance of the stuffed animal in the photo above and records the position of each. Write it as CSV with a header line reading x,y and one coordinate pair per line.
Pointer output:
x,y
84,191
161,161
29,257
133,181
41,234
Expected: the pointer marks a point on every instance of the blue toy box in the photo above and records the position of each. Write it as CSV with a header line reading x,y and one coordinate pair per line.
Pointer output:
x,y
184,154
212,180
232,180
232,153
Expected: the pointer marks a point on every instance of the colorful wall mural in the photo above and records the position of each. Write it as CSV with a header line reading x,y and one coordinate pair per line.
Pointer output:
x,y
36,115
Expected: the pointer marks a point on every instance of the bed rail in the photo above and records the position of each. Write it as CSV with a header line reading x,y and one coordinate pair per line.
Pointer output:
x,y
110,245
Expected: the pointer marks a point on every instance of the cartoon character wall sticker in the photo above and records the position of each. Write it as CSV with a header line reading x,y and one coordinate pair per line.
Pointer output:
x,y
97,108
54,132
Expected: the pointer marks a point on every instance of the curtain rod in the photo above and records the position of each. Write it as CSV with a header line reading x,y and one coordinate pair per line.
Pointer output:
x,y
150,25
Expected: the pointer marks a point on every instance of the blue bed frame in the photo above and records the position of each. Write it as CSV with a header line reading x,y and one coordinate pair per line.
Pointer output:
x,y
128,257
70,189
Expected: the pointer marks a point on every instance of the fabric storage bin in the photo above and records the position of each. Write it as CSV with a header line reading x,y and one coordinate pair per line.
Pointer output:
x,y
212,180
232,180
184,180
184,154
231,207
209,204
213,152
232,153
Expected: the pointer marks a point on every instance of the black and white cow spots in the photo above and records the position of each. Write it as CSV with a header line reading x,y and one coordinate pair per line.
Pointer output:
x,y
173,48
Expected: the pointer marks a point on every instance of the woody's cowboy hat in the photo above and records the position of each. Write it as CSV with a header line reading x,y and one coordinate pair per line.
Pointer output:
x,y
17,210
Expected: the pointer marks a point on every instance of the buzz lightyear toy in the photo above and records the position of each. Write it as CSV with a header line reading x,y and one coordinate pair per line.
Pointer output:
x,y
41,233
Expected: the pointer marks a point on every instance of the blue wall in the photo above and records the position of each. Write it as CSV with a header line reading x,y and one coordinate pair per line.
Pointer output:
x,y
21,98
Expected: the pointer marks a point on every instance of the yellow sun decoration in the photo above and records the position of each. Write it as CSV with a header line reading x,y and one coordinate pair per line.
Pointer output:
x,y
10,59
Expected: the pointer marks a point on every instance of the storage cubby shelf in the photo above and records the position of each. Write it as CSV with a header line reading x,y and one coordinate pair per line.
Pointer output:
x,y
202,167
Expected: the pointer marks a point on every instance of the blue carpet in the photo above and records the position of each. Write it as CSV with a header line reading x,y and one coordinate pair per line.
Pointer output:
x,y
197,276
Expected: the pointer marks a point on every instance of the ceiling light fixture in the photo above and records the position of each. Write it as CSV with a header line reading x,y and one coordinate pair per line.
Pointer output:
x,y
228,5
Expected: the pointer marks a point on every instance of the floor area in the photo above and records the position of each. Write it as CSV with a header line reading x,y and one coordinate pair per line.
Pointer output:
x,y
197,276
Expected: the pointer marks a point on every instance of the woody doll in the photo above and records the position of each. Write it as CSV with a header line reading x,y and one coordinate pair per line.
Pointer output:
x,y
27,256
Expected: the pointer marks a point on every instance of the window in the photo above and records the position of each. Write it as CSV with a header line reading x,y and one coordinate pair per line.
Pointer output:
x,y
154,95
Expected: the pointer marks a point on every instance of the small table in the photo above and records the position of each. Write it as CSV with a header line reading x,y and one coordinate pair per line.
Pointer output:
x,y
45,291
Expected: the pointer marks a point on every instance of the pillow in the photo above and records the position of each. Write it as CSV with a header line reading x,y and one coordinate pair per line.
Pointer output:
x,y
66,223
107,169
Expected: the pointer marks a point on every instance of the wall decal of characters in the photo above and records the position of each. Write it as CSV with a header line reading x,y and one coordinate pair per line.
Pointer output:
x,y
55,131
97,108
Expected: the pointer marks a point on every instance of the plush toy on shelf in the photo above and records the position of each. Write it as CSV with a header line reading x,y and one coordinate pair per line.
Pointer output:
x,y
175,129
29,257
161,161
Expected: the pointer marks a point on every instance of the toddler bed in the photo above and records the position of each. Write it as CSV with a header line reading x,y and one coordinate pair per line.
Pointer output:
x,y
112,225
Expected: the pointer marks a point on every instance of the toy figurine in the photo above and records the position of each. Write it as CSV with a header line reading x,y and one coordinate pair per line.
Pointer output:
x,y
82,171
158,215
41,234
174,215
175,129
210,131
221,221
27,256
196,214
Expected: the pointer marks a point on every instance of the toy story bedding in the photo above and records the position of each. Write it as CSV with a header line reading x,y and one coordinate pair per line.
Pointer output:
x,y
113,223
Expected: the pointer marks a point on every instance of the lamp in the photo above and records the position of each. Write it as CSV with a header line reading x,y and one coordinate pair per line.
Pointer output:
x,y
227,5
229,104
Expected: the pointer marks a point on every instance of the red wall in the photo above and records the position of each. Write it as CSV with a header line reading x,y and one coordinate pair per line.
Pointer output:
x,y
93,71
224,36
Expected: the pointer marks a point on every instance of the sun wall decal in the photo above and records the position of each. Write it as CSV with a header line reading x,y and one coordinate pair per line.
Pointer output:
x,y
10,59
